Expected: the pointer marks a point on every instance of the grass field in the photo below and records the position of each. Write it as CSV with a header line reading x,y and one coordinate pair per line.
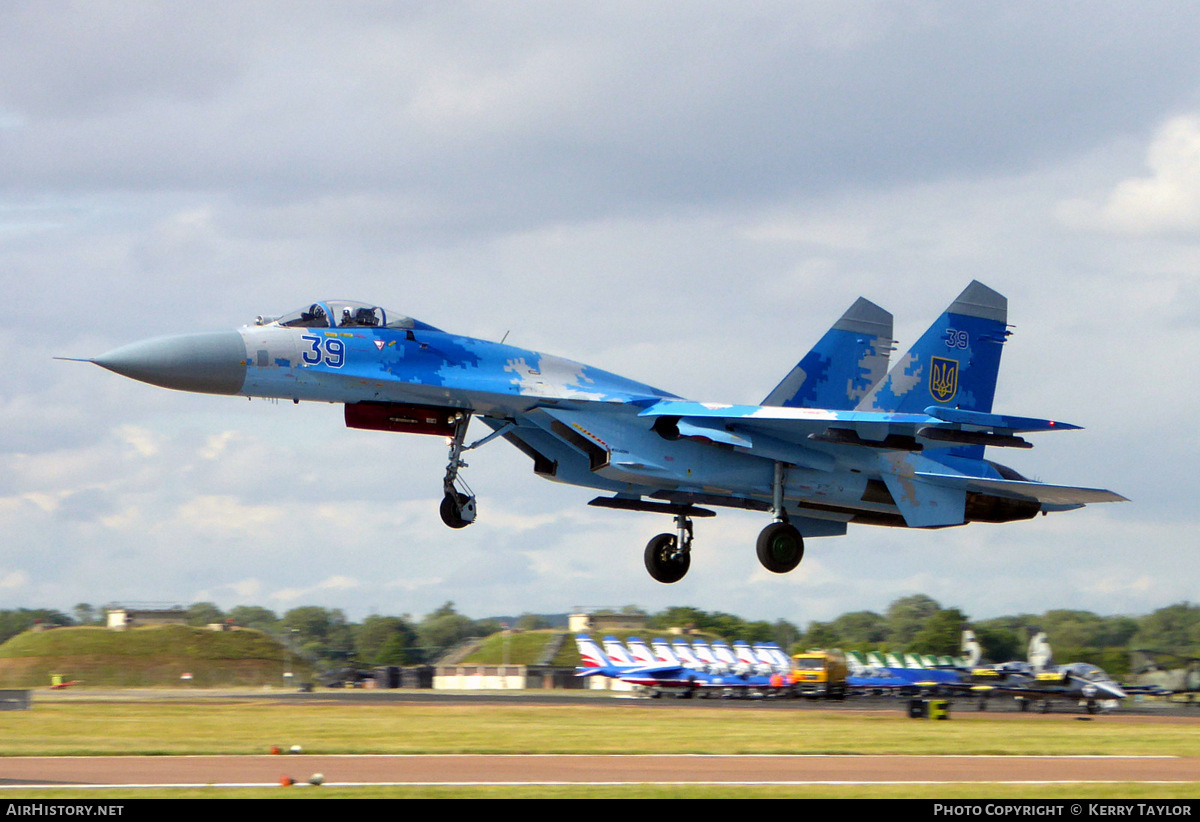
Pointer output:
x,y
78,726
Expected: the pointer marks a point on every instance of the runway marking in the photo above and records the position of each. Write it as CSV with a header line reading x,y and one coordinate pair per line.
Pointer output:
x,y
617,784
613,770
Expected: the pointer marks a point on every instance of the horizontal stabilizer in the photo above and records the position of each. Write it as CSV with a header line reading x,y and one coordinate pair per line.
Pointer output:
x,y
997,422
938,427
960,437
1023,490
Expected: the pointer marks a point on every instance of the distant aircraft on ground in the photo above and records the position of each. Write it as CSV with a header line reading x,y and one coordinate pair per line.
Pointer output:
x,y
1162,673
879,675
836,442
615,663
1039,679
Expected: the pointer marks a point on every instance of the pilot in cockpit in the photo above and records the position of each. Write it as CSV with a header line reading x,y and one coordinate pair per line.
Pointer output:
x,y
361,316
314,317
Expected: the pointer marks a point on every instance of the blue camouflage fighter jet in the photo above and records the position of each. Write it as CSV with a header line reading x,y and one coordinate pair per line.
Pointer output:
x,y
840,440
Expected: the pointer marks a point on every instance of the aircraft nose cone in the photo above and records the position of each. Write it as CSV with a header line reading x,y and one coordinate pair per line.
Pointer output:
x,y
1114,691
210,363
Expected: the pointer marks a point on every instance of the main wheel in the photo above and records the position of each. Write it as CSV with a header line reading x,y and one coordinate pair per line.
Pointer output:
x,y
780,547
662,561
451,510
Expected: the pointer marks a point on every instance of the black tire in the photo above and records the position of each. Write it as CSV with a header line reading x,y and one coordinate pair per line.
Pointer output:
x,y
780,547
451,510
661,561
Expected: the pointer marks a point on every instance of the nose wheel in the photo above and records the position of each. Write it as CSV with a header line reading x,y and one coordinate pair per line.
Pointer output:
x,y
458,501
457,509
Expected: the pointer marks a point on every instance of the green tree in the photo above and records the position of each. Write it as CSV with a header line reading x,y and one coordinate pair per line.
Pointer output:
x,y
1174,629
85,614
678,617
820,635
385,640
21,620
907,616
784,634
444,628
532,622
252,616
200,614
1000,643
322,634
941,635
861,630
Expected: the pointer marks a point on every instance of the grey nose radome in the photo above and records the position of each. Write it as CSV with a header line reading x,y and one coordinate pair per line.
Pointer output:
x,y
210,363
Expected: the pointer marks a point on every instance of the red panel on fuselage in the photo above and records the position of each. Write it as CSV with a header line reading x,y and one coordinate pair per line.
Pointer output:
x,y
405,419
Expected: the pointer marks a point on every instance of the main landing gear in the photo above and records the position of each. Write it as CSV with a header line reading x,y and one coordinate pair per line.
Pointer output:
x,y
668,556
780,545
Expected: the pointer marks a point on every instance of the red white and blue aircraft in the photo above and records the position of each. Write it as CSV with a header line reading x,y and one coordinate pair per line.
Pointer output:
x,y
661,675
836,442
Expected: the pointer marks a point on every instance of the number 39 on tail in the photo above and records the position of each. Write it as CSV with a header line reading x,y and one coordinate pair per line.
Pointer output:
x,y
842,439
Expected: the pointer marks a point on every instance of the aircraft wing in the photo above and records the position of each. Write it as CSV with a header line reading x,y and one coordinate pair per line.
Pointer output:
x,y
637,671
1065,495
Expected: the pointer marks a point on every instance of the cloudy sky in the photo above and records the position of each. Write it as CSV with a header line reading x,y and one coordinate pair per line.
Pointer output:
x,y
686,193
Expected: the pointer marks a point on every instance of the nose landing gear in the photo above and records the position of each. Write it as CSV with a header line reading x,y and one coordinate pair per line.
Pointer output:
x,y
458,503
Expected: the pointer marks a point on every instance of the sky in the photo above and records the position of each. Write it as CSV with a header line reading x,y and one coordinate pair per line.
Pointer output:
x,y
685,193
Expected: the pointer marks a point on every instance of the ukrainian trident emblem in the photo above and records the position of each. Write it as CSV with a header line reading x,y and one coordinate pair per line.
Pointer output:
x,y
943,378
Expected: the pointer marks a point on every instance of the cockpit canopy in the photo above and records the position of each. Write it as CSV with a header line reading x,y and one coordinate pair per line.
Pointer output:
x,y
1091,673
342,314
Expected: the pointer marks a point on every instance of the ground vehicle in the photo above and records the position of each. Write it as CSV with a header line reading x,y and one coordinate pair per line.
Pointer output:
x,y
817,674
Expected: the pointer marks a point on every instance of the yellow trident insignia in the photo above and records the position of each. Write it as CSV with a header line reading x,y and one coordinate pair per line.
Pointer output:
x,y
943,379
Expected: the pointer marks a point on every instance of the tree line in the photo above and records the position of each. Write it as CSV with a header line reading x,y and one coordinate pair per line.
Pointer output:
x,y
914,623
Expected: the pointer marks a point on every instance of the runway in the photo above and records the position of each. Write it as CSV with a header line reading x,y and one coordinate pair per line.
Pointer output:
x,y
516,770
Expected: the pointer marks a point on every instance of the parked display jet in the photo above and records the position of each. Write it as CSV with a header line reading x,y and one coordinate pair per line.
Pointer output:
x,y
615,663
681,651
1039,680
1162,673
836,442
888,676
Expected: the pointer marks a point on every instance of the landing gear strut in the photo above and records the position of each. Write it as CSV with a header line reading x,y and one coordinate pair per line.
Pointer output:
x,y
780,546
458,506
668,556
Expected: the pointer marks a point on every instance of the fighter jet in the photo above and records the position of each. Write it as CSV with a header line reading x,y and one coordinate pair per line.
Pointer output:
x,y
660,676
836,442
888,675
1039,680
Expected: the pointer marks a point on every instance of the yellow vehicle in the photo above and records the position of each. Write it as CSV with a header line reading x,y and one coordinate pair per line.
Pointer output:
x,y
818,674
